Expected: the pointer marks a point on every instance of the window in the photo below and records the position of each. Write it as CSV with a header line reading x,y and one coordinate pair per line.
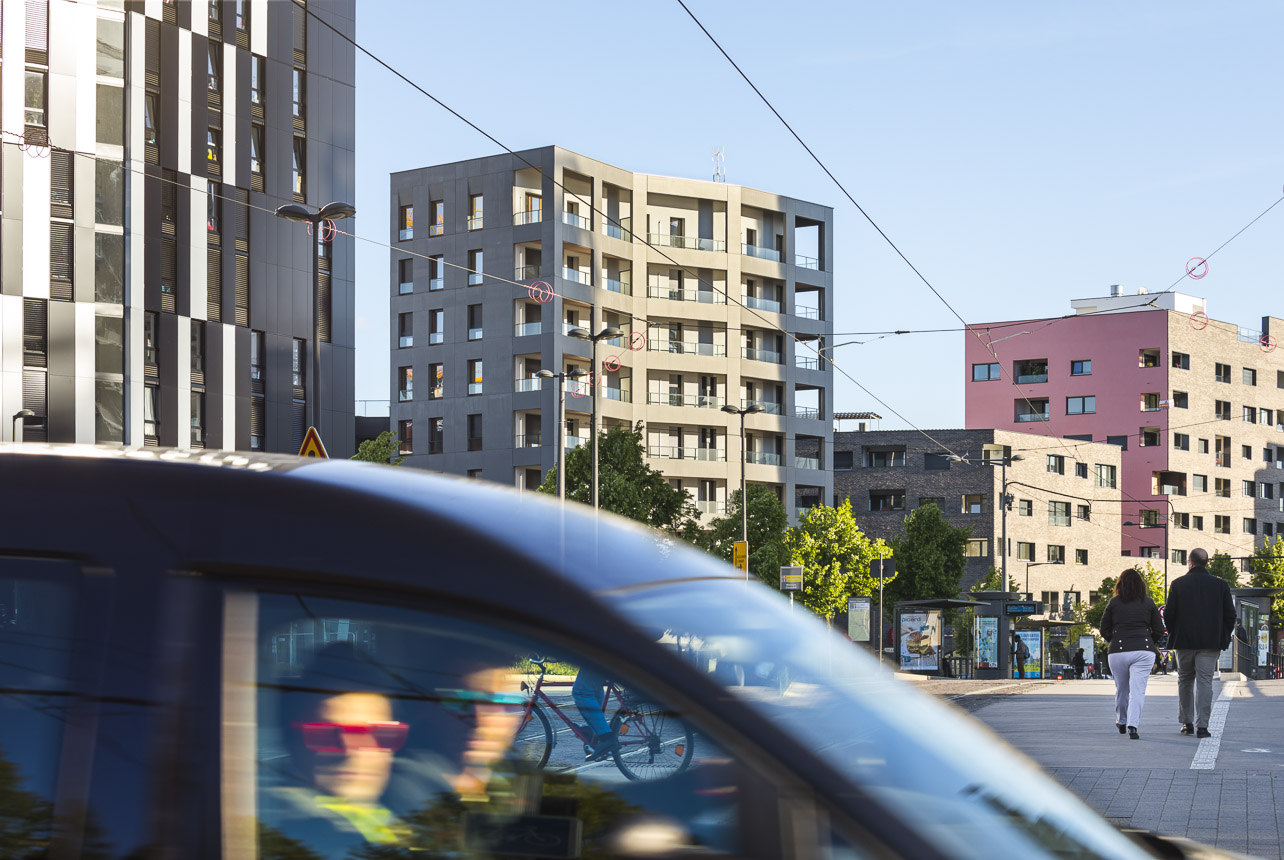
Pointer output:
x,y
475,263
1250,526
1246,452
298,362
436,435
985,372
405,330
34,98
405,384
1199,483
151,426
1025,507
109,192
1058,513
1265,417
1027,409
1203,446
405,277
437,212
198,346
258,79
256,149
1081,470
300,84
198,419
61,260
1083,512
257,355
1250,376
977,548
884,459
1221,372
1221,525
844,461
475,213
1082,367
1148,358
1081,556
109,344
1181,521
406,223
1221,409
1250,489
1249,415
1181,400
475,376
1181,441
930,500
1150,402
1056,554
1056,464
151,119
474,322
973,503
474,432
436,272
1181,361
1105,476
298,169
1265,490
436,326
436,381
1081,405
887,500
1197,522
1025,551
214,63
1118,441
1031,370
109,411
111,48
1221,488
1149,437
406,437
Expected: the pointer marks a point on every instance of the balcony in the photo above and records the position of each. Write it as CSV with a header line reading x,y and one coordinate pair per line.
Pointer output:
x,y
762,458
812,412
573,442
710,507
436,229
761,304
704,297
621,395
529,440
766,355
687,401
806,313
436,337
760,253
806,262
806,462
807,362
524,329
435,284
526,273
1030,378
406,394
1026,417
529,384
620,231
474,223
577,276
405,233
623,286
527,216
405,341
769,407
672,452
405,288
665,240
687,348
474,334
573,220
474,388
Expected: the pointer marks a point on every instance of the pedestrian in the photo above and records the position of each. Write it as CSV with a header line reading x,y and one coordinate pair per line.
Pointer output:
x,y
1020,653
1078,663
1131,624
1201,618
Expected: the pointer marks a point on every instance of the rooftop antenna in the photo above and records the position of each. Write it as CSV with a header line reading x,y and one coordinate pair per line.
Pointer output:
x,y
719,172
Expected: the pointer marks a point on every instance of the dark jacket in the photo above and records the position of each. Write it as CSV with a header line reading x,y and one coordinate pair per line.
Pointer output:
x,y
1132,625
1078,661
1200,612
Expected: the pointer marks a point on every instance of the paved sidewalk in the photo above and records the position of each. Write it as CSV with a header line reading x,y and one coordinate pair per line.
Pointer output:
x,y
1227,790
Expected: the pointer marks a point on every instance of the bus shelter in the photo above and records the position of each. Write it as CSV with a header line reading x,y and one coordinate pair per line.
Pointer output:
x,y
920,635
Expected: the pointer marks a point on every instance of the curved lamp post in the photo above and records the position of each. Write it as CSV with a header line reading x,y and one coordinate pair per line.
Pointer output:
x,y
608,333
751,409
21,413
560,439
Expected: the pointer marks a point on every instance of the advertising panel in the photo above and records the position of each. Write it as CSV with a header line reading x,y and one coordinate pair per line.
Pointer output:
x,y
1033,640
858,619
986,636
1089,645
921,640
1263,639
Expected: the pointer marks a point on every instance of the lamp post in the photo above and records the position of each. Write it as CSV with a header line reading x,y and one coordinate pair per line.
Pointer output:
x,y
606,333
1163,526
1030,564
559,439
751,409
1003,502
23,414
329,212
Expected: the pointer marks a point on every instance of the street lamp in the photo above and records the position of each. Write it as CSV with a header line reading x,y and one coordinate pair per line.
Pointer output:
x,y
608,333
1004,501
1029,564
21,413
1163,526
329,212
751,409
559,439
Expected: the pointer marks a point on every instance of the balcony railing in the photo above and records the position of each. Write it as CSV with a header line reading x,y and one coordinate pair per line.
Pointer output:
x,y
436,229
620,231
807,362
623,395
705,297
762,458
673,452
717,350
806,462
577,276
474,334
806,262
760,304
761,253
527,216
474,388
533,383
576,221
523,329
528,440
405,341
623,286
693,243
405,233
526,273
1028,378
474,279
435,284
806,412
710,507
760,355
475,222
689,401
406,394
436,337
804,312
769,407
405,288
1026,417
575,442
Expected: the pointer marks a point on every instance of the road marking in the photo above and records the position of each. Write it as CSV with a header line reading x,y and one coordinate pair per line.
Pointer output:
x,y
1206,755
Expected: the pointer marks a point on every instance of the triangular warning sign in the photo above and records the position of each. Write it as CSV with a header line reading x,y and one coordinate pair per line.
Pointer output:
x,y
312,446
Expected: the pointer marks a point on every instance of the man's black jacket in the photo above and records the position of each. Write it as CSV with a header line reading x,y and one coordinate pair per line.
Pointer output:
x,y
1200,612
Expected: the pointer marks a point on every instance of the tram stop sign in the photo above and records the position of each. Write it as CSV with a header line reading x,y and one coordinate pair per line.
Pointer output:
x,y
791,578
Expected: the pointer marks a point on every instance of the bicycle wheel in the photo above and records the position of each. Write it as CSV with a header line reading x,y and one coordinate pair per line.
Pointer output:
x,y
655,743
534,740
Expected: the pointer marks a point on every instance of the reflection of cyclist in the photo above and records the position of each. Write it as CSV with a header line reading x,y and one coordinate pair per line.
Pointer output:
x,y
587,691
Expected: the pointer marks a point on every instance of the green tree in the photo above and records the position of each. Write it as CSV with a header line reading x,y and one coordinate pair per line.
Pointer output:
x,y
1092,615
929,557
768,523
1268,571
993,581
1223,566
835,555
1154,580
381,449
626,484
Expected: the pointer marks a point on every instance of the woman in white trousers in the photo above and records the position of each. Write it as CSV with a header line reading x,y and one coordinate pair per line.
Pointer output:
x,y
1131,624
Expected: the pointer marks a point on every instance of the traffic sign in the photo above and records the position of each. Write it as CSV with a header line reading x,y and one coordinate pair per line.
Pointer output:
x,y
791,578
740,555
312,446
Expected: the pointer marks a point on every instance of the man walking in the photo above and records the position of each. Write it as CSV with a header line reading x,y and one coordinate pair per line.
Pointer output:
x,y
1200,614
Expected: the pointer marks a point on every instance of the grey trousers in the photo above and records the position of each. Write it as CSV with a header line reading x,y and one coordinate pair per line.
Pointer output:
x,y
1195,686
1131,671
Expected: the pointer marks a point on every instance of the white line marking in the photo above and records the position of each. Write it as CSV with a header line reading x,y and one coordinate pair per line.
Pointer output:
x,y
1206,755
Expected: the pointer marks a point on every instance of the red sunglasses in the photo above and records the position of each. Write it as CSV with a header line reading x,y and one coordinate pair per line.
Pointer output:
x,y
328,737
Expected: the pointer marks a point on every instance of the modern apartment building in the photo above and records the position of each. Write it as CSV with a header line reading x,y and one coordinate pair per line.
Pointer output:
x,y
1196,407
1062,518
150,296
656,257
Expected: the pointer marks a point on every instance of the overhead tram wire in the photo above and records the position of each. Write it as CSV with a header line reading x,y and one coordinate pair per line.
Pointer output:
x,y
694,276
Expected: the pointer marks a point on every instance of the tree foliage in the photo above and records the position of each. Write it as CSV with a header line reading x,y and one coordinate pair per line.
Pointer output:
x,y
929,556
626,484
1223,566
993,581
381,449
768,524
1154,580
1268,571
835,555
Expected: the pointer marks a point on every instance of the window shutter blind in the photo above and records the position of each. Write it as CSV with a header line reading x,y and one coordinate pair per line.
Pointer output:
x,y
214,284
35,333
34,387
256,416
300,33
169,274
323,300
61,184
242,289
38,32
298,415
61,262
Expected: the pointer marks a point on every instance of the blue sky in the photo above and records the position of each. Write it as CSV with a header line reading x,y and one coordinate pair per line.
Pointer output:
x,y
1020,154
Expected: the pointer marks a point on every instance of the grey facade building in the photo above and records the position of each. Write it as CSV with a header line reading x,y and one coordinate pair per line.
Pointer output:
x,y
149,294
474,324
1063,519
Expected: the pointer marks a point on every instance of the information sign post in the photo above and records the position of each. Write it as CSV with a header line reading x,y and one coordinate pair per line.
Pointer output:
x,y
791,580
